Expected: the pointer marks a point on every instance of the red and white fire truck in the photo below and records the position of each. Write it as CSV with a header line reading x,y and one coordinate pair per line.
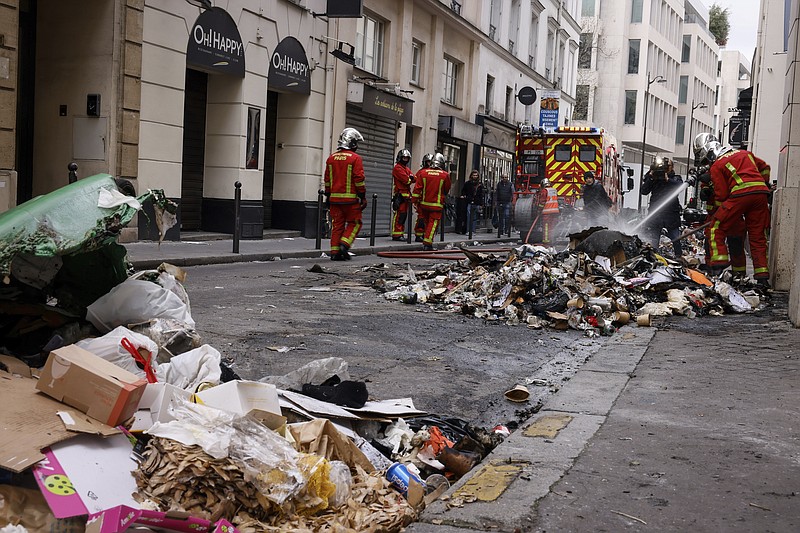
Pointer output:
x,y
563,156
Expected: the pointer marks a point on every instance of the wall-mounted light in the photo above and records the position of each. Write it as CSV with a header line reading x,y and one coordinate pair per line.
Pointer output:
x,y
347,57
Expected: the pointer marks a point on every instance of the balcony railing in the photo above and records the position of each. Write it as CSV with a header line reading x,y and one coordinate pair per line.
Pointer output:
x,y
532,61
511,46
492,32
456,7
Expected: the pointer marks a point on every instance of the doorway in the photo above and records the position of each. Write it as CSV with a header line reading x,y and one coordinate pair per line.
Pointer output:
x,y
270,139
194,149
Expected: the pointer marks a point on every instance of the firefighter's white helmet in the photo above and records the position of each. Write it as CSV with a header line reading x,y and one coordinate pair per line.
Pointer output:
x,y
349,139
707,148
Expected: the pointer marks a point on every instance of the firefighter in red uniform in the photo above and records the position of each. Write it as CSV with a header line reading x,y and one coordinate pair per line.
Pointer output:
x,y
419,227
430,188
548,209
740,187
401,198
735,238
345,192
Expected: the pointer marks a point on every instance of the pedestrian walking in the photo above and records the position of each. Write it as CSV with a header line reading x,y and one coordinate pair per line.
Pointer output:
x,y
503,198
474,196
740,182
596,202
662,184
402,179
345,193
548,209
430,188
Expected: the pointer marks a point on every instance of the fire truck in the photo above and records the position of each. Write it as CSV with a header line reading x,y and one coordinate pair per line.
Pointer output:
x,y
562,156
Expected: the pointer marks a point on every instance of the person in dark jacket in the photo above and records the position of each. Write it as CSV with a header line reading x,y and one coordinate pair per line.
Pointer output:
x,y
474,196
596,202
503,197
662,184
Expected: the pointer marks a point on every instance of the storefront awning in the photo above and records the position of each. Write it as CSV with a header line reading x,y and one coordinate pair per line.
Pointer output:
x,y
381,103
215,45
458,128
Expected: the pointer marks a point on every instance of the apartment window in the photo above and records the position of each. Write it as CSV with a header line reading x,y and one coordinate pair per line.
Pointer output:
x,y
369,45
450,81
636,11
489,94
630,107
633,56
587,8
683,89
495,13
416,62
585,51
513,26
509,104
687,48
581,111
680,127
533,42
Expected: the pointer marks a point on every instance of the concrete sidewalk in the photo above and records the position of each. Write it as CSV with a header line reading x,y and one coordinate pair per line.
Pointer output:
x,y
687,426
208,249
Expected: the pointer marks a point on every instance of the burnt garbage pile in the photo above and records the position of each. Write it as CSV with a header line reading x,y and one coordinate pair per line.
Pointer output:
x,y
123,418
604,279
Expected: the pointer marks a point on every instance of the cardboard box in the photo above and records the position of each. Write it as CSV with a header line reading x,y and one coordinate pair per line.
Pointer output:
x,y
155,403
91,384
86,475
31,421
121,518
244,397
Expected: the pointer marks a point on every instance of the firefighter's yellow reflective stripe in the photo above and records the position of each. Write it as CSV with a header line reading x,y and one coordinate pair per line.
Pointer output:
x,y
329,176
739,269
351,235
715,254
760,270
343,195
741,185
428,237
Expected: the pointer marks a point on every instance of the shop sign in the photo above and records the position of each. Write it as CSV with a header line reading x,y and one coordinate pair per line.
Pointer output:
x,y
288,68
215,45
387,105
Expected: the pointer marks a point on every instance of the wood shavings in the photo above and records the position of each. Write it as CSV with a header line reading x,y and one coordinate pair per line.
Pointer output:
x,y
175,477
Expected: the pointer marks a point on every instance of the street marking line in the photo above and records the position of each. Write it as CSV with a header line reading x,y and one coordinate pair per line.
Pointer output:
x,y
489,483
547,427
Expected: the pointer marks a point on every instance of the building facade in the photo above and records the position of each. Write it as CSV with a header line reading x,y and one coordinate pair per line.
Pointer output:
x,y
193,98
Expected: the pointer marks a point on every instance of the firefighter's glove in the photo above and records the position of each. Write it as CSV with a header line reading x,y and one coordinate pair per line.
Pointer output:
x,y
691,180
705,177
362,196
706,194
411,179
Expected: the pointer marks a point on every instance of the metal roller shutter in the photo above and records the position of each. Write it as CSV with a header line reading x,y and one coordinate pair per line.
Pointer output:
x,y
377,152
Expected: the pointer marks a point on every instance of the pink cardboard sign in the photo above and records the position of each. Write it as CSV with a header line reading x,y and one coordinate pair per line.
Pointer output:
x,y
120,518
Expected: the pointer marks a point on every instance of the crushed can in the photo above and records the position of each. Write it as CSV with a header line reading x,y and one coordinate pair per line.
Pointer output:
x,y
399,475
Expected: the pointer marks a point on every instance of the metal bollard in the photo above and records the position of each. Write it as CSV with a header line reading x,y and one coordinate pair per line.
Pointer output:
x,y
373,218
73,172
408,221
237,220
320,207
470,213
441,226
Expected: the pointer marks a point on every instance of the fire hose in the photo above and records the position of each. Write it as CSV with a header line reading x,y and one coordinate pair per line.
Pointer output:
x,y
454,255
687,232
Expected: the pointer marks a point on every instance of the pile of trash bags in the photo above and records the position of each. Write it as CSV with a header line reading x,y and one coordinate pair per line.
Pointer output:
x,y
602,281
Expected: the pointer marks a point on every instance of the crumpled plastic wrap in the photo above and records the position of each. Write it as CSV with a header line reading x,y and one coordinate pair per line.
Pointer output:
x,y
188,370
315,372
268,461
109,347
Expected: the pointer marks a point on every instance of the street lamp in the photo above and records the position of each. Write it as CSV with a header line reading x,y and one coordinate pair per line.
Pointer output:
x,y
691,121
657,79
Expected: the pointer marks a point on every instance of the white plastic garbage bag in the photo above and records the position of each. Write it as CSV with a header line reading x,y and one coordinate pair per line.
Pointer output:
x,y
135,301
110,348
189,369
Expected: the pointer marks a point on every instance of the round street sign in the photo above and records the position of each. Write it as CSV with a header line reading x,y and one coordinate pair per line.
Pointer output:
x,y
527,95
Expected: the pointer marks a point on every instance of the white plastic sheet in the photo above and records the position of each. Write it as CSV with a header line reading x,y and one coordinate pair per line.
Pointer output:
x,y
189,369
134,301
109,347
